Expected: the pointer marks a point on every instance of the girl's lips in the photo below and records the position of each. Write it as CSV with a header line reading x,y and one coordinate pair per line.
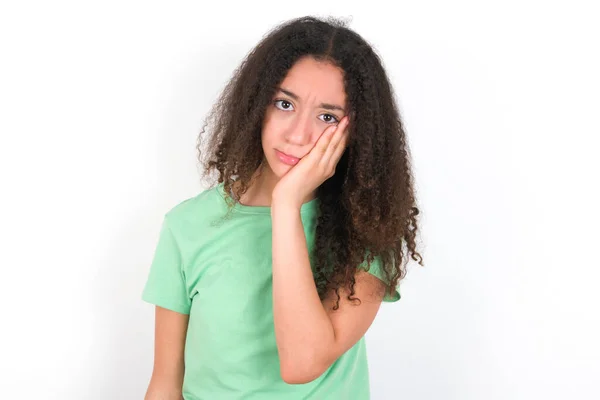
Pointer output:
x,y
287,159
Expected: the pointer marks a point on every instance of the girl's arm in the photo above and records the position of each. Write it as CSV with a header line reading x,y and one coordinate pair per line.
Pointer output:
x,y
169,343
310,335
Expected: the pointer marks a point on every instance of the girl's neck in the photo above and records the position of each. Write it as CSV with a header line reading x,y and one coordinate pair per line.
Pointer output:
x,y
258,194
260,190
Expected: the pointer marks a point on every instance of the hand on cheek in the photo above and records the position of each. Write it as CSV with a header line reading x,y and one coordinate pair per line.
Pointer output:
x,y
315,168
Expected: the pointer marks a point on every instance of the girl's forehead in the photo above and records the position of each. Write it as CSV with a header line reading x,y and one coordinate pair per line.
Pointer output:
x,y
310,79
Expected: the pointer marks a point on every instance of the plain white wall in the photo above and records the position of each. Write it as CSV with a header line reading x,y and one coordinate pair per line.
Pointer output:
x,y
100,106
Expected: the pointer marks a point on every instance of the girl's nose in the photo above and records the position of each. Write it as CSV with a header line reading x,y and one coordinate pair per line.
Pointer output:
x,y
300,132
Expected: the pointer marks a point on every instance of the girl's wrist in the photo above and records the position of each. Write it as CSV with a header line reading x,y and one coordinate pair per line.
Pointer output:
x,y
285,204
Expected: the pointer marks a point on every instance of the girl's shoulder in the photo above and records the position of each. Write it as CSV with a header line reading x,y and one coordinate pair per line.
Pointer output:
x,y
205,204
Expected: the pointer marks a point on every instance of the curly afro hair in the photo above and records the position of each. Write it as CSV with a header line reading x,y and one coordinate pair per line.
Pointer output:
x,y
367,210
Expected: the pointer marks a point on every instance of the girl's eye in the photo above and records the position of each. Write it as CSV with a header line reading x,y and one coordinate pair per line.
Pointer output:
x,y
330,119
285,105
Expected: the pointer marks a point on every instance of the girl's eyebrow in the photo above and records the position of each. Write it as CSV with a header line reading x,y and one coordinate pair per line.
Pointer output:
x,y
326,106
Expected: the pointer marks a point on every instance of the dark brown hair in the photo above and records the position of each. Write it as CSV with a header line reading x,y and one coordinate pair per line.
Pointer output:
x,y
368,208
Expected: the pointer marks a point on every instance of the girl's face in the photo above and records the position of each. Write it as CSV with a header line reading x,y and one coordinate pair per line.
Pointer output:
x,y
310,99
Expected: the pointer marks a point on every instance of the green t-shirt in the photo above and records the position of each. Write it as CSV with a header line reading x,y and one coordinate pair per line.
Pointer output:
x,y
219,272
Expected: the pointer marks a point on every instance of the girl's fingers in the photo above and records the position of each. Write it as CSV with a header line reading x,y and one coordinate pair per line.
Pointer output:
x,y
323,143
337,141
330,137
339,150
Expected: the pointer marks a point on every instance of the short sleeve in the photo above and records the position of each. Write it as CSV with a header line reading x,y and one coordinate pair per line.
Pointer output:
x,y
165,285
376,269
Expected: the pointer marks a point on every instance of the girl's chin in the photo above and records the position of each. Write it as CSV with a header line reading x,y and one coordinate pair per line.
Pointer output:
x,y
279,169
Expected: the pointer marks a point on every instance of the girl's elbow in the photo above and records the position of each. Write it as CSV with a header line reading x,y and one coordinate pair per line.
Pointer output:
x,y
161,389
295,378
296,374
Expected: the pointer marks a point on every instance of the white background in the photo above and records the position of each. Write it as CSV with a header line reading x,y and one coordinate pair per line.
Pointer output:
x,y
100,106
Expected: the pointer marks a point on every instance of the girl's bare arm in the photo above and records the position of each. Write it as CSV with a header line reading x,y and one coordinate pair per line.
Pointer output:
x,y
169,343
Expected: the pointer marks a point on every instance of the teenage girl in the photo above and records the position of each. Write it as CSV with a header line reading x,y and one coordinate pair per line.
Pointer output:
x,y
266,283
